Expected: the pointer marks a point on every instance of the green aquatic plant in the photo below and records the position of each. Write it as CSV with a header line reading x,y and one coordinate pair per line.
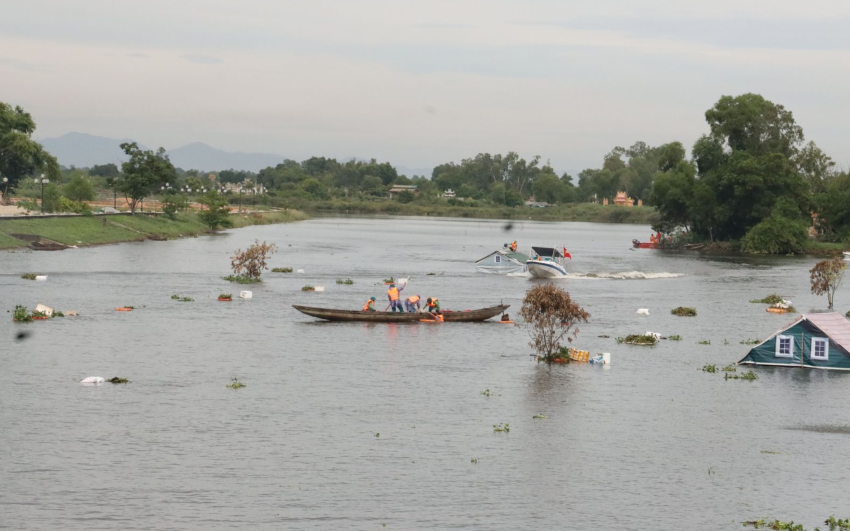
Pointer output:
x,y
763,523
390,280
21,314
682,311
117,380
743,376
430,274
28,276
182,299
346,282
58,314
474,460
638,339
282,270
539,417
837,524
378,434
241,279
730,368
235,384
709,367
506,428
750,341
770,299
704,342
485,392
675,338
39,315
225,297
308,287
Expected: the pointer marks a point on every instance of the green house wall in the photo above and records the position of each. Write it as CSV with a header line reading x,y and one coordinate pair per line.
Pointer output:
x,y
803,332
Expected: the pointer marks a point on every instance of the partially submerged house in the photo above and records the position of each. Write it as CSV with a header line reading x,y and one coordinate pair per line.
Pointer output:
x,y
502,261
815,341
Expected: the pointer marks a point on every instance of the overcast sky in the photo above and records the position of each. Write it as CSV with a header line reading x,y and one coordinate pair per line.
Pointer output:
x,y
419,83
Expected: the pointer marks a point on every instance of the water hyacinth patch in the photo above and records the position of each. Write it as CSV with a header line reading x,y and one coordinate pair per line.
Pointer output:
x,y
743,376
770,299
638,339
21,314
675,338
682,311
346,282
28,276
241,279
712,368
282,270
308,287
235,384
178,298
225,297
502,428
117,380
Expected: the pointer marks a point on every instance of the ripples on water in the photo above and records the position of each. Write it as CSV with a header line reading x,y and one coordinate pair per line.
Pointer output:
x,y
628,446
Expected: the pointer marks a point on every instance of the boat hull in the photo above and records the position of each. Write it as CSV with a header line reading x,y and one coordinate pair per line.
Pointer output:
x,y
540,269
501,270
330,314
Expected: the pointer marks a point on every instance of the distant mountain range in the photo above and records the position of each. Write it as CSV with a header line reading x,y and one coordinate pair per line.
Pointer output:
x,y
84,151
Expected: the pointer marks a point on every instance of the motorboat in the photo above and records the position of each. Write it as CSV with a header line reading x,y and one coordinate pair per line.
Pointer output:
x,y
546,262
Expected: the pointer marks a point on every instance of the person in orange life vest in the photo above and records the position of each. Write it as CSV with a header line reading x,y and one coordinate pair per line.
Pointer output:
x,y
433,306
411,304
514,246
370,305
394,297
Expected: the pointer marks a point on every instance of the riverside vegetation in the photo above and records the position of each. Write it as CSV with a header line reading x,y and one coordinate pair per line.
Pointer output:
x,y
750,184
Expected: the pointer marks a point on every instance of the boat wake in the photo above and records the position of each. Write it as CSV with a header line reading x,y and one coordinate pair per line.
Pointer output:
x,y
624,275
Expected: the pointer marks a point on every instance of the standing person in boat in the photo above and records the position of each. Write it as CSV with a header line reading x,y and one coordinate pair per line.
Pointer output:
x,y
370,305
433,306
393,294
412,303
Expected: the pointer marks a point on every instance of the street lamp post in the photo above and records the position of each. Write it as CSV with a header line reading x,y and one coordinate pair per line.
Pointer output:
x,y
43,182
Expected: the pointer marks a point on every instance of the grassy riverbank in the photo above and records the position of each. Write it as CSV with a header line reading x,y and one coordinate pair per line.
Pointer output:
x,y
574,212
98,230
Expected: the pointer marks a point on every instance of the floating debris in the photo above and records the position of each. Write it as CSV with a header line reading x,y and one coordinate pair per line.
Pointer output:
x,y
117,380
770,299
704,342
682,311
92,380
506,428
308,287
225,297
235,384
646,340
282,270
743,376
675,338
539,417
346,282
485,392
709,367
750,341
642,311
28,276
182,299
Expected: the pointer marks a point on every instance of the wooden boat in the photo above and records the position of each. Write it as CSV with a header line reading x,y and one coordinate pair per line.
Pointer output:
x,y
469,316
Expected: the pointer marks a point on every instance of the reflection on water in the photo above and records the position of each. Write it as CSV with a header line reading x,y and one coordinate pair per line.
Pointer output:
x,y
622,447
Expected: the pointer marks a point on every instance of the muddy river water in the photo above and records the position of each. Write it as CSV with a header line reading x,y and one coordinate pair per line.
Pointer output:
x,y
361,426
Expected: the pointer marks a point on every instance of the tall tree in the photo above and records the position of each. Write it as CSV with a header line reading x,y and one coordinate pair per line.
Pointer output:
x,y
143,173
20,155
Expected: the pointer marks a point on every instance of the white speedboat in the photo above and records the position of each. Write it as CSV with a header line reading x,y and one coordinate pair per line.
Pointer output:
x,y
546,262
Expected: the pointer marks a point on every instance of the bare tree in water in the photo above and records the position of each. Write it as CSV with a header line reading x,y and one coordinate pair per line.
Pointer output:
x,y
826,276
549,315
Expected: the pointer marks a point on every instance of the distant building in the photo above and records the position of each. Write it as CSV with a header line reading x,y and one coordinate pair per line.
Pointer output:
x,y
399,188
623,200
448,194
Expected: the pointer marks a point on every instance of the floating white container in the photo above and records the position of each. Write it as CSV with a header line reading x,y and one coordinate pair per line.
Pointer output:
x,y
606,358
246,295
41,277
46,310
300,271
643,311
320,288
93,380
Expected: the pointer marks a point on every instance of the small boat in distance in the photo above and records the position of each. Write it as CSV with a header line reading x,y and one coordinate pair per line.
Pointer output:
x,y
502,262
644,245
546,262
468,316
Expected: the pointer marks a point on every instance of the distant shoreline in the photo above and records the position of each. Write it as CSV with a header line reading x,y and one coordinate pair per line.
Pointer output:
x,y
86,231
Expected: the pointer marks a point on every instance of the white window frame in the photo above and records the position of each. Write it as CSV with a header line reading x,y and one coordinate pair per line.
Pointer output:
x,y
816,340
498,259
779,339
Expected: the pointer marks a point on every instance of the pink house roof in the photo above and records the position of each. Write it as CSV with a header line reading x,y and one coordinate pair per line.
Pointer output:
x,y
834,325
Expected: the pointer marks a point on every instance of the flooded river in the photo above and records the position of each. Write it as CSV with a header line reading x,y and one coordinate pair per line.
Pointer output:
x,y
357,426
